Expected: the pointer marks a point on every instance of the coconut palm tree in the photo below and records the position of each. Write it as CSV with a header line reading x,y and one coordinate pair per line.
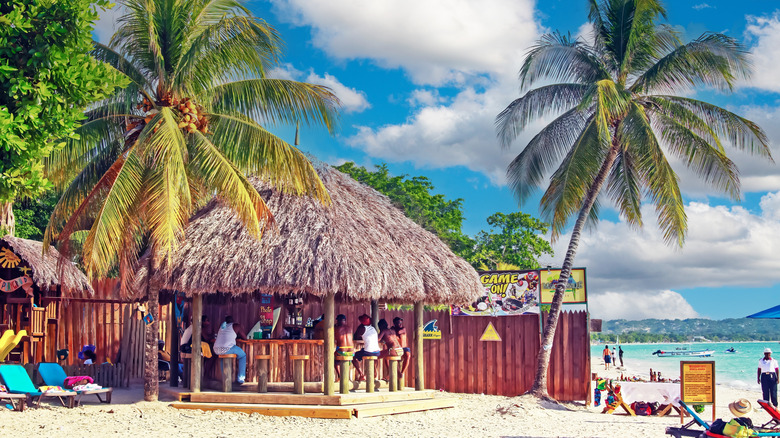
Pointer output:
x,y
621,111
191,125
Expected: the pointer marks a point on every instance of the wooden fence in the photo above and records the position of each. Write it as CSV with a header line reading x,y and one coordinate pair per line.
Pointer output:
x,y
458,362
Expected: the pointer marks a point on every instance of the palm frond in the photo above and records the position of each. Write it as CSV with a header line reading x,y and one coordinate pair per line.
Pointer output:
x,y
535,104
276,101
558,58
526,172
258,152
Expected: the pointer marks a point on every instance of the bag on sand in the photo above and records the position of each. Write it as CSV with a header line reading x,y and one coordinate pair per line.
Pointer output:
x,y
717,426
641,408
733,428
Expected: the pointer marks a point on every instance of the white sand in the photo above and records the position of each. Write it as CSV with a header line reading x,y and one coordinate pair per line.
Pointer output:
x,y
475,415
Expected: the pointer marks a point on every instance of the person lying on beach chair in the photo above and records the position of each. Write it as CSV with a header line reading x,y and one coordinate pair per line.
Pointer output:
x,y
53,374
18,381
774,423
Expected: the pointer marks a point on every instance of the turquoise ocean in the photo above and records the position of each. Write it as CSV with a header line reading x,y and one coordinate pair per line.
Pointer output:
x,y
736,370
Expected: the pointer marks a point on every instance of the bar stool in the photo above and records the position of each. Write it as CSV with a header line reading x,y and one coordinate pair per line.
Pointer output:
x,y
227,371
393,378
186,359
344,360
261,362
298,362
369,372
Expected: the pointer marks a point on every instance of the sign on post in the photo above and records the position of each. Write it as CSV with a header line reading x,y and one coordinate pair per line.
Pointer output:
x,y
576,289
697,384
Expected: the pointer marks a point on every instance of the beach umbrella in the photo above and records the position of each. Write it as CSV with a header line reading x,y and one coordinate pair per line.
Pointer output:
x,y
771,313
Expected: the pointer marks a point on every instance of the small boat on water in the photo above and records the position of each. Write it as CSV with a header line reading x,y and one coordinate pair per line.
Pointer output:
x,y
684,353
731,350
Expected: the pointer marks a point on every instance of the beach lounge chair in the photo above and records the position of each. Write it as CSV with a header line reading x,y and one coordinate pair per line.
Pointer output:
x,y
17,401
18,382
774,423
53,375
686,430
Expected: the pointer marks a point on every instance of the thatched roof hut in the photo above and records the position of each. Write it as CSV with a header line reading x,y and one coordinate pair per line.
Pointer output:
x,y
49,271
361,247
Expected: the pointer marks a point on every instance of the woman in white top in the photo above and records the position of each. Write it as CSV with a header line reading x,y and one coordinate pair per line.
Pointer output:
x,y
226,344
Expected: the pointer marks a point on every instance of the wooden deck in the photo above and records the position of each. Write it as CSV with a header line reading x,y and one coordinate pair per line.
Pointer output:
x,y
358,404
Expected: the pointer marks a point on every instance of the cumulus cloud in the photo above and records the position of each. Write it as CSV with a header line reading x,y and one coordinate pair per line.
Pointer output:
x,y
435,41
352,100
725,246
764,34
665,304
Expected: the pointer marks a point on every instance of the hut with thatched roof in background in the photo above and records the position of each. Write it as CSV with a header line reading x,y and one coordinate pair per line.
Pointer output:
x,y
359,248
32,286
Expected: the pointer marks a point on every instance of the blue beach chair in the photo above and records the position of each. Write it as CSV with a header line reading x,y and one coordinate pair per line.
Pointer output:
x,y
53,375
686,430
18,382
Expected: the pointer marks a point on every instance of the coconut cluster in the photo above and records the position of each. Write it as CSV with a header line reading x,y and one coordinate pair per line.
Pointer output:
x,y
192,115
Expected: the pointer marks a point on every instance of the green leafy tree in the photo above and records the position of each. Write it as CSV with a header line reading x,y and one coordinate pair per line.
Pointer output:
x,y
517,242
187,127
47,79
619,113
32,215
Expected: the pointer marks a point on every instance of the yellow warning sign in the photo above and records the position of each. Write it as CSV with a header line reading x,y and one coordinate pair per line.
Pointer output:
x,y
490,334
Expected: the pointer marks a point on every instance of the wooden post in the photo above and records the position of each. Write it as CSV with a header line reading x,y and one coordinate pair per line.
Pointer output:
x,y
197,354
419,372
226,360
261,362
370,362
298,363
344,381
173,330
375,314
330,344
393,376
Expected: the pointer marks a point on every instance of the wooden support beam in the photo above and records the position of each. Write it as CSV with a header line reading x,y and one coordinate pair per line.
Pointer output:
x,y
330,344
173,330
419,371
197,361
375,314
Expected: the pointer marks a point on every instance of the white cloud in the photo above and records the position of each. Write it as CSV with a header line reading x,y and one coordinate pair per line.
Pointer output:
x,y
665,304
426,97
435,41
352,100
725,246
701,6
764,32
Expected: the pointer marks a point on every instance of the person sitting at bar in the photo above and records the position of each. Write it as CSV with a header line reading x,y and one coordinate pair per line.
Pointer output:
x,y
390,339
343,339
367,333
400,331
226,344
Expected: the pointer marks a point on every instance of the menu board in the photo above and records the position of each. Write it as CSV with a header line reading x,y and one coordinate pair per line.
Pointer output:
x,y
697,382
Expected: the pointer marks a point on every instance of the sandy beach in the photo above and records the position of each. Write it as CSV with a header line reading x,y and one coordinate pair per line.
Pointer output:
x,y
474,415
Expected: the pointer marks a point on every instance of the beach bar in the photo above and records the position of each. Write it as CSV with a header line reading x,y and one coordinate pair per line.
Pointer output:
x,y
359,250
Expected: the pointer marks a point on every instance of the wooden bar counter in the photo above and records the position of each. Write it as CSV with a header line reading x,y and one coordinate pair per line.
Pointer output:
x,y
280,367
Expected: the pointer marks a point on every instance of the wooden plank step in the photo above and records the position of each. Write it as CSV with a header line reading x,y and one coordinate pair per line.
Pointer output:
x,y
354,398
264,398
402,407
274,410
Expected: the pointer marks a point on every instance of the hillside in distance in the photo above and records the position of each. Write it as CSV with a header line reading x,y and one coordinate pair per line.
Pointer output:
x,y
689,330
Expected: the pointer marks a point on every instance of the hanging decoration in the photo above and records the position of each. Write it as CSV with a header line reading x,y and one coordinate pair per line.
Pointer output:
x,y
24,282
8,259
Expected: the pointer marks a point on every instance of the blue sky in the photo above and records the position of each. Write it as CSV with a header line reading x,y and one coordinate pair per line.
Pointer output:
x,y
421,83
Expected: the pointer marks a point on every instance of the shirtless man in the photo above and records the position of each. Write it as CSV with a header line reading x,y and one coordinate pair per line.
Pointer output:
x,y
343,339
400,331
392,344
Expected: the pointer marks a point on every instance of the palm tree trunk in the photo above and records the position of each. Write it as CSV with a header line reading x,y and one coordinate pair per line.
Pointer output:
x,y
151,383
7,219
539,388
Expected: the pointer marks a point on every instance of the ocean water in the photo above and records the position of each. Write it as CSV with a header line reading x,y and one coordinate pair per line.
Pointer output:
x,y
736,370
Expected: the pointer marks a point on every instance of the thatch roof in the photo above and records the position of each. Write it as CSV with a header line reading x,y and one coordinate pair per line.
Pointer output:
x,y
361,247
48,270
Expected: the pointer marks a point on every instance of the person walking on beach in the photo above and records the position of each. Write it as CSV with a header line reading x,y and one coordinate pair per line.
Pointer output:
x,y
620,355
768,374
607,357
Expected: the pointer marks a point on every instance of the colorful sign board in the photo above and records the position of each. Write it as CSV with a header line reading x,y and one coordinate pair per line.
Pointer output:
x,y
506,293
576,289
431,330
490,334
697,382
266,311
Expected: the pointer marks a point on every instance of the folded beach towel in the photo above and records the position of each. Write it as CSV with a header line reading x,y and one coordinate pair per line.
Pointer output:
x,y
46,388
87,387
